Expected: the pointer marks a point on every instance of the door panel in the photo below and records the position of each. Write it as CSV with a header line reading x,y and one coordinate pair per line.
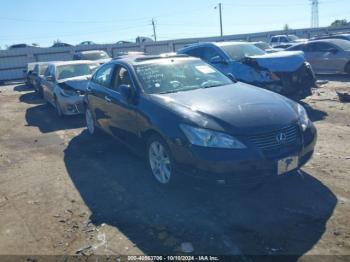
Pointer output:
x,y
321,59
124,124
98,105
98,86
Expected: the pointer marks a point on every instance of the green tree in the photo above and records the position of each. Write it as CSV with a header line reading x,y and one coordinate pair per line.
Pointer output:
x,y
286,27
57,41
340,22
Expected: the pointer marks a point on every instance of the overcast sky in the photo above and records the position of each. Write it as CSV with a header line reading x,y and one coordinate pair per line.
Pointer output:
x,y
109,21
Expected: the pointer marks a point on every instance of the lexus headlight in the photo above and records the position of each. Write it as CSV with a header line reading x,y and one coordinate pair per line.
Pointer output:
x,y
303,117
208,138
68,92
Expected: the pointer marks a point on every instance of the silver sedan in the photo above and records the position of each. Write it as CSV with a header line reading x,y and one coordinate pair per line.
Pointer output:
x,y
64,85
328,56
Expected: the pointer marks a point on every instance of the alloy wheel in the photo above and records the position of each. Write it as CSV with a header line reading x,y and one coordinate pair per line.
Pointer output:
x,y
90,124
58,108
160,162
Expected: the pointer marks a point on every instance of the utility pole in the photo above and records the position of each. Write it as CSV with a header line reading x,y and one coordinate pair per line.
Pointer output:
x,y
154,30
220,13
314,14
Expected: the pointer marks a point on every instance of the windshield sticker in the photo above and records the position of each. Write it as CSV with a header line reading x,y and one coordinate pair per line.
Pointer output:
x,y
205,69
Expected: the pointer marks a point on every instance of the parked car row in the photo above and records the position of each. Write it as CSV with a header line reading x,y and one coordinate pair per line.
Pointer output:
x,y
326,56
187,116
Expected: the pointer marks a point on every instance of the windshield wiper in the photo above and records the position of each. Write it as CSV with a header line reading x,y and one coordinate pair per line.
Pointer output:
x,y
168,92
209,86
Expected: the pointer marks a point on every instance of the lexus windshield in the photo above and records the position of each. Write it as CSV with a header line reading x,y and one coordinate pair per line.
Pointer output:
x,y
177,75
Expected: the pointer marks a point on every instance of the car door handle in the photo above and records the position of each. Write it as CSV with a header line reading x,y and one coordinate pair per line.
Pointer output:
x,y
108,99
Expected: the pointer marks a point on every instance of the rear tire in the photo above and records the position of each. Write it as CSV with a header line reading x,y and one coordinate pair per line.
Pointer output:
x,y
161,162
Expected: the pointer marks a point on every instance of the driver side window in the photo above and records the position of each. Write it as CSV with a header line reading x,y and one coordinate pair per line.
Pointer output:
x,y
121,77
320,47
207,53
283,40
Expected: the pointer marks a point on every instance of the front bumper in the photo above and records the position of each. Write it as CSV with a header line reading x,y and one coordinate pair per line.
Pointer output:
x,y
297,84
239,166
71,105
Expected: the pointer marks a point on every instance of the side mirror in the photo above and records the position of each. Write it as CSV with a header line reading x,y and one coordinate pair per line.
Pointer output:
x,y
126,92
232,77
217,60
333,50
50,78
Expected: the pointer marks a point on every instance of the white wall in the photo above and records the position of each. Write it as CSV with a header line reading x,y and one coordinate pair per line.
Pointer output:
x,y
13,62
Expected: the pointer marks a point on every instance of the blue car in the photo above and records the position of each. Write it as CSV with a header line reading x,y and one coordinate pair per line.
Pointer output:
x,y
286,73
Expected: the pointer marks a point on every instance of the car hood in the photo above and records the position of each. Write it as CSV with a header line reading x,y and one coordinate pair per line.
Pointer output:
x,y
78,83
103,61
239,108
283,61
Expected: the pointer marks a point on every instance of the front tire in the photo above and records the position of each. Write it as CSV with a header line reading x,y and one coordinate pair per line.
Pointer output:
x,y
160,161
90,122
58,108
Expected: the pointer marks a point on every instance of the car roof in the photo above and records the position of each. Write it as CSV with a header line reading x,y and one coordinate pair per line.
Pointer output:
x,y
141,59
230,43
279,35
90,51
218,44
331,40
40,63
75,62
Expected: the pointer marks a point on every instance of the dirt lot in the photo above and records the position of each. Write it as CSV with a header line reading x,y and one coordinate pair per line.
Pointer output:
x,y
62,192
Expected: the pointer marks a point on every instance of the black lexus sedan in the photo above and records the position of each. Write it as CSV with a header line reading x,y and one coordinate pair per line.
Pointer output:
x,y
190,119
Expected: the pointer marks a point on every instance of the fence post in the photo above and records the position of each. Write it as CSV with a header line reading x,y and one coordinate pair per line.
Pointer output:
x,y
171,46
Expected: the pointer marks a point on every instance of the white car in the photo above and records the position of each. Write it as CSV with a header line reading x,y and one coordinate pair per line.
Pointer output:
x,y
64,85
284,41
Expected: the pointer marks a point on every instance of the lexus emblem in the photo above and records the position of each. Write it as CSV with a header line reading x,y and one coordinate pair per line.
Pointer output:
x,y
281,138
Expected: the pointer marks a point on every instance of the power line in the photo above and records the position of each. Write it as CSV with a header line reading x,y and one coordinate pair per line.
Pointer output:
x,y
76,34
145,19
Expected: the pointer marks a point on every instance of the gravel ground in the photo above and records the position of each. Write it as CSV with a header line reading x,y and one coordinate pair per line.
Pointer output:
x,y
64,193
